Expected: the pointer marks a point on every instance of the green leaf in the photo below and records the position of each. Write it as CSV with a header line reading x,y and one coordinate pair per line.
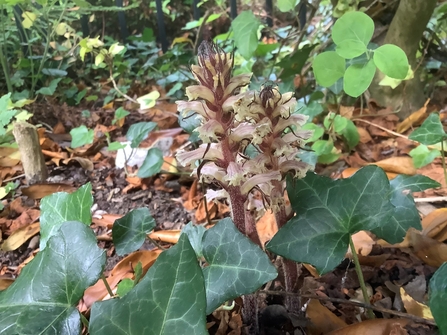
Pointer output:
x,y
149,100
245,27
264,49
139,132
5,100
322,147
195,236
124,287
294,63
328,158
43,299
430,132
120,113
237,266
328,212
352,33
358,77
314,108
152,163
81,136
113,146
286,5
54,72
328,68
129,232
51,88
170,299
351,135
60,207
422,155
338,122
405,214
438,297
392,61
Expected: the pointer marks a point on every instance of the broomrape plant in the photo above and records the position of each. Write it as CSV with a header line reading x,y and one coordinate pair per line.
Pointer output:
x,y
234,118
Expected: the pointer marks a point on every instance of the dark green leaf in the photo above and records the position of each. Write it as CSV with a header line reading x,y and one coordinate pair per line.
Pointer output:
x,y
237,266
152,163
405,214
328,212
438,297
81,136
51,88
294,63
129,232
351,135
189,122
43,299
60,207
313,109
430,132
170,299
139,132
54,72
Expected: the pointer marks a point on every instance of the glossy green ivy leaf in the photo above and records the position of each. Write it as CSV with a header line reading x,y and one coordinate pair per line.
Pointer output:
x,y
392,61
352,33
236,267
44,297
170,299
152,163
129,232
422,155
81,136
358,77
60,207
139,132
404,214
430,132
328,212
245,27
328,68
438,297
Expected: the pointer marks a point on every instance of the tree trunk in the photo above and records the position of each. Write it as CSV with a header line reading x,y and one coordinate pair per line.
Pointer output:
x,y
405,31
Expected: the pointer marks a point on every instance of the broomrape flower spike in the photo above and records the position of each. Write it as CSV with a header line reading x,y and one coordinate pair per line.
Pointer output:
x,y
233,119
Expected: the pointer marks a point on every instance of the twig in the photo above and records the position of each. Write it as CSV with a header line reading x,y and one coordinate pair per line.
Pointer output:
x,y
355,303
432,199
14,178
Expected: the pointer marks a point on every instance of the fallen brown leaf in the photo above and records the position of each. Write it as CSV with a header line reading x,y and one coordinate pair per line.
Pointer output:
x,y
322,320
20,236
374,327
414,119
38,191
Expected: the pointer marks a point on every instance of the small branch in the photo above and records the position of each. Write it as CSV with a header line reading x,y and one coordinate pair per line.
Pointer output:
x,y
354,303
106,284
432,199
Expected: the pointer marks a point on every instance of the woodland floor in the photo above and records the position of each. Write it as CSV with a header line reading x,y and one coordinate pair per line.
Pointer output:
x,y
386,269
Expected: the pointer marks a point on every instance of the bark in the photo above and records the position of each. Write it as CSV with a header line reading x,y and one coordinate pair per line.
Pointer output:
x,y
405,31
30,152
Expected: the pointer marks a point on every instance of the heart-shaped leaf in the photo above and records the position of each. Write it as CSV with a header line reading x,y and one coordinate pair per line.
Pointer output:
x,y
405,214
422,155
438,297
328,68
152,163
139,132
44,297
245,28
237,266
328,212
129,232
60,207
430,132
195,236
170,299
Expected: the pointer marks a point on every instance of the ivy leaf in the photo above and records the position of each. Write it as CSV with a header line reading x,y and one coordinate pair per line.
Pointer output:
x,y
195,236
358,77
152,163
170,299
405,214
129,232
430,132
392,61
44,297
139,132
328,68
422,155
438,297
81,136
352,33
328,212
237,266
245,27
51,88
60,207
